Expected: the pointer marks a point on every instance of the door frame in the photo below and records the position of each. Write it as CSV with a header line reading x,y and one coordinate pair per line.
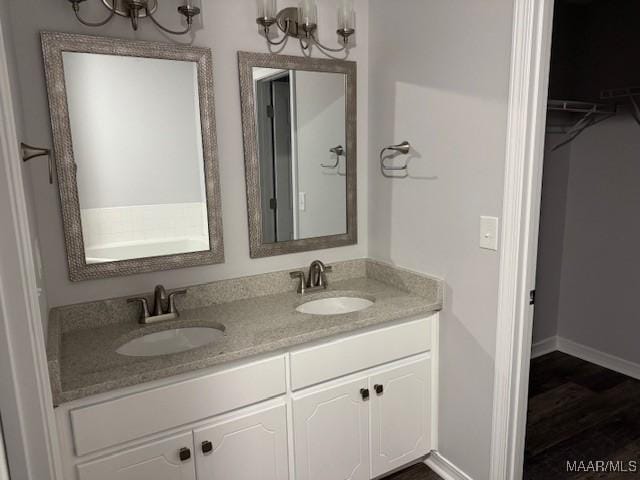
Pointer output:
x,y
529,79
4,469
29,427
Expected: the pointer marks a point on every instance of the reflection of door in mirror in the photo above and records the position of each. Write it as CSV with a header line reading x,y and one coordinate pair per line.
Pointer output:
x,y
276,163
300,118
139,163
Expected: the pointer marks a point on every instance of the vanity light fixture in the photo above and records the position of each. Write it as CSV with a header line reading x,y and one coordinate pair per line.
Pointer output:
x,y
302,23
137,9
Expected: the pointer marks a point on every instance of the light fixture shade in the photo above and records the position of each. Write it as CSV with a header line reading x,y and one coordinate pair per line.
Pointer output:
x,y
346,15
308,12
301,23
266,8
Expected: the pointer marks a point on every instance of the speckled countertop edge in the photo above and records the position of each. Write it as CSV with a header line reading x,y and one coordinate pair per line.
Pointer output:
x,y
81,353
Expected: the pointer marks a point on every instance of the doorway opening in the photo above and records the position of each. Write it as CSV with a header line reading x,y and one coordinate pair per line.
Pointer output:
x,y
584,386
274,113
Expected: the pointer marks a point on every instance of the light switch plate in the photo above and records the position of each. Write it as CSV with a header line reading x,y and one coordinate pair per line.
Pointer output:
x,y
302,201
489,233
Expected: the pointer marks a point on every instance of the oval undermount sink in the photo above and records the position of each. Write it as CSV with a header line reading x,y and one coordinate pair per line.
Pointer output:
x,y
171,341
334,306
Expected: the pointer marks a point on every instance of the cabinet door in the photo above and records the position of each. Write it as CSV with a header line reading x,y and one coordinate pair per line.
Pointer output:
x,y
159,460
400,415
331,433
249,447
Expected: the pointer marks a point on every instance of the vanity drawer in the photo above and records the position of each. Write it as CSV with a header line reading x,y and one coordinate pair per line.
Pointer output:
x,y
133,416
323,362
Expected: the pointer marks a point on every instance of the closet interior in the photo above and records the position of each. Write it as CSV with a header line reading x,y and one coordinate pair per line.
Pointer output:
x,y
584,395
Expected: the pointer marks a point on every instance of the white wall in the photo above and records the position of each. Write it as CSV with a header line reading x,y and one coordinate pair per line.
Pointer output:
x,y
320,125
553,207
25,137
135,126
225,38
597,304
439,73
23,433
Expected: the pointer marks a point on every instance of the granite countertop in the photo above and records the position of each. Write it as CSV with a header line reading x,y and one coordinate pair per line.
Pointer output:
x,y
83,359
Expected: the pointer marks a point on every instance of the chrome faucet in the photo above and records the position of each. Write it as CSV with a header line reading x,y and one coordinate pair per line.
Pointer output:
x,y
164,306
316,278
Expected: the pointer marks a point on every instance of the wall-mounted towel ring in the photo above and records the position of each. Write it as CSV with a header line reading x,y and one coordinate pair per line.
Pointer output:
x,y
29,152
339,152
403,149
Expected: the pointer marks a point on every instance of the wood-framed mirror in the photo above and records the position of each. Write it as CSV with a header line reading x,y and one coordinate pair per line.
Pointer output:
x,y
299,120
134,137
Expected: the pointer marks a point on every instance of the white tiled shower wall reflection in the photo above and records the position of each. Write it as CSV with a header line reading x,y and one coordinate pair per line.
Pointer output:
x,y
107,226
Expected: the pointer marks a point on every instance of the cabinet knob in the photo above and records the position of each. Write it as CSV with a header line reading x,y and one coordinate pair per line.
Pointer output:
x,y
207,446
365,393
185,454
379,389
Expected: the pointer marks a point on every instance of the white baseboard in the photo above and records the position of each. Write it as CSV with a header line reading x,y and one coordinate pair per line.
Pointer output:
x,y
443,467
587,354
545,346
605,360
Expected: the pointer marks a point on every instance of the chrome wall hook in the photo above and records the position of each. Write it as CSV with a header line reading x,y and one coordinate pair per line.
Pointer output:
x,y
402,149
338,151
29,152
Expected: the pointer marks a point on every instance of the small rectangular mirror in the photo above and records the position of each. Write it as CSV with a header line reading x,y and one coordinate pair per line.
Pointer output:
x,y
134,136
299,123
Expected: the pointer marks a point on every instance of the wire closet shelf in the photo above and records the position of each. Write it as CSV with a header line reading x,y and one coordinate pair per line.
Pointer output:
x,y
591,113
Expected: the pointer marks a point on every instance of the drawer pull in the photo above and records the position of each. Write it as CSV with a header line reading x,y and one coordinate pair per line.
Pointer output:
x,y
207,446
364,392
379,389
185,454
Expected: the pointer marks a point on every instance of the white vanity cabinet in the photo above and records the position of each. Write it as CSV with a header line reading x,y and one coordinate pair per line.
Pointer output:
x,y
331,432
350,408
366,426
400,415
167,459
251,447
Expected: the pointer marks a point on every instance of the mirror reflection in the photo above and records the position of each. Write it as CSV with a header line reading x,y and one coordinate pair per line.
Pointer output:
x,y
302,151
137,145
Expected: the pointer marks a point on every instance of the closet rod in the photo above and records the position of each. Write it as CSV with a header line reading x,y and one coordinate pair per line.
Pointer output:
x,y
580,107
616,93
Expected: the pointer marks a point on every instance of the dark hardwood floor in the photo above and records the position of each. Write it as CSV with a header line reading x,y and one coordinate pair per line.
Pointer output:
x,y
417,472
579,411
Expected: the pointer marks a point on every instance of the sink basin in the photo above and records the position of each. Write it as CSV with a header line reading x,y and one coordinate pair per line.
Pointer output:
x,y
171,341
334,305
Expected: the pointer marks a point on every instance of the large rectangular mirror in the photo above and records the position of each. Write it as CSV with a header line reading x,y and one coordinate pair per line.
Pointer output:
x,y
299,123
134,136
